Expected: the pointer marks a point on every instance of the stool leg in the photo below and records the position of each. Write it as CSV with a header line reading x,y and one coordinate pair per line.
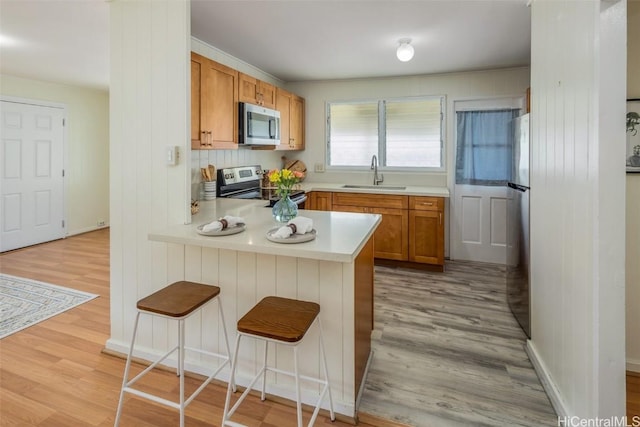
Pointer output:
x,y
264,370
181,368
226,337
126,371
297,375
326,370
232,379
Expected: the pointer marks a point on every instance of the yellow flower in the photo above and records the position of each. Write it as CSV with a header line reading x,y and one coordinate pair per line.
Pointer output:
x,y
284,180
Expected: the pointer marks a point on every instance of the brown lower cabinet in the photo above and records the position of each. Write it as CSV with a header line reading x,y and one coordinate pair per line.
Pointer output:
x,y
426,230
412,227
318,200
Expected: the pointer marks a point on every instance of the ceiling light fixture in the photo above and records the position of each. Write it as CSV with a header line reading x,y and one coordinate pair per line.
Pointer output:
x,y
405,50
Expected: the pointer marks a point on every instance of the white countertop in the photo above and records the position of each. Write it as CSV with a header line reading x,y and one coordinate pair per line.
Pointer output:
x,y
409,190
340,235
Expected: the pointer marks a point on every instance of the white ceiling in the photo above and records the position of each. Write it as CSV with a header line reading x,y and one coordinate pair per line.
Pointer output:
x,y
67,40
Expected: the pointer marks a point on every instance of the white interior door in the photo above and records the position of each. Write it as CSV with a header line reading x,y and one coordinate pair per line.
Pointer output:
x,y
31,174
479,223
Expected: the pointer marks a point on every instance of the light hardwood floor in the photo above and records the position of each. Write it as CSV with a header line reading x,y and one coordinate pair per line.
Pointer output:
x,y
54,373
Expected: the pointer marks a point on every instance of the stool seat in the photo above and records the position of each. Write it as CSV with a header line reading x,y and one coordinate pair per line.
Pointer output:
x,y
281,319
179,299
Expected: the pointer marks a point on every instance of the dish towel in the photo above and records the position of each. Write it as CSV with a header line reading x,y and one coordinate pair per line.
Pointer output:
x,y
227,221
298,225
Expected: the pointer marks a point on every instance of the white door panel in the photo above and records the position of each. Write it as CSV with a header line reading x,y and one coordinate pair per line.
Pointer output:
x,y
32,200
471,219
478,230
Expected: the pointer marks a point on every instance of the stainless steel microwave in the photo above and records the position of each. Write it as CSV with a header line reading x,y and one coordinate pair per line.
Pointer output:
x,y
258,125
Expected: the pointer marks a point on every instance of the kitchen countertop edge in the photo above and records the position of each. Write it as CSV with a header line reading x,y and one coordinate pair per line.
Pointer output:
x,y
341,235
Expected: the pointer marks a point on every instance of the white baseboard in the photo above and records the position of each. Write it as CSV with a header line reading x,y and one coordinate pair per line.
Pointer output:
x,y
633,365
547,382
85,230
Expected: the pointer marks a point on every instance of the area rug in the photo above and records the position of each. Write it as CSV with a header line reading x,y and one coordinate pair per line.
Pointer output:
x,y
25,302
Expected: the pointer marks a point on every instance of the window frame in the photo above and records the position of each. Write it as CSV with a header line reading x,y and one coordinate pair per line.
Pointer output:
x,y
382,142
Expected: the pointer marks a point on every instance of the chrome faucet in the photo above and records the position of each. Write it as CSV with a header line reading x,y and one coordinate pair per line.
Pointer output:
x,y
374,167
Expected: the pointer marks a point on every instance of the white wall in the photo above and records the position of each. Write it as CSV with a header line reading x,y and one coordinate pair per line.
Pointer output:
x,y
454,86
150,47
577,198
87,146
633,200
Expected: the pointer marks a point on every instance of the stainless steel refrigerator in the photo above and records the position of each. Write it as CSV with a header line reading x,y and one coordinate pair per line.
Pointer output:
x,y
518,273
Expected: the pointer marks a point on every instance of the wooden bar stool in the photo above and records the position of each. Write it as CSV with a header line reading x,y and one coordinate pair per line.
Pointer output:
x,y
177,301
284,321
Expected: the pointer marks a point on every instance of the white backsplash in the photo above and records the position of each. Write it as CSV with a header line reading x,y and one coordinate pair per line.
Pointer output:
x,y
228,158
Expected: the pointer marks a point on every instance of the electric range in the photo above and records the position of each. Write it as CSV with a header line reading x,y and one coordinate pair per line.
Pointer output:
x,y
245,182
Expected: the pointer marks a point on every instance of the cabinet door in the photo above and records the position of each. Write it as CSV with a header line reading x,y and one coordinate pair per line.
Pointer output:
x,y
256,92
296,125
219,98
320,201
267,95
247,89
426,241
291,109
391,235
283,105
196,74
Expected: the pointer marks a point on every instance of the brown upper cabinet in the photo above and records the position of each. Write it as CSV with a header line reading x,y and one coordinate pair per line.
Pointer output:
x,y
214,100
216,91
257,92
291,108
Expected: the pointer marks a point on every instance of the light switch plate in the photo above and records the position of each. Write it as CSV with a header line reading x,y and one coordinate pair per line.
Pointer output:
x,y
171,155
318,167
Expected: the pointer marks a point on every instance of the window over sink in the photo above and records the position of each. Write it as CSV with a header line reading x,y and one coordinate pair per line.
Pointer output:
x,y
404,133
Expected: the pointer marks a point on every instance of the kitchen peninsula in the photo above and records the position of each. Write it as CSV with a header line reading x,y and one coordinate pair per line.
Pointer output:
x,y
335,270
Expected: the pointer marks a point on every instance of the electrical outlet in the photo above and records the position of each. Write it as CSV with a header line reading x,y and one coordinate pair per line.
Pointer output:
x,y
101,223
318,167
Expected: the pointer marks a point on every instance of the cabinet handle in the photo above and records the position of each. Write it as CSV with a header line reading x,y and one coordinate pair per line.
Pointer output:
x,y
210,139
440,215
427,203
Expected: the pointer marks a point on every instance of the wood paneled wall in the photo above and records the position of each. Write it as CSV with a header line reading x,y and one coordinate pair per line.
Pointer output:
x,y
577,203
244,279
149,99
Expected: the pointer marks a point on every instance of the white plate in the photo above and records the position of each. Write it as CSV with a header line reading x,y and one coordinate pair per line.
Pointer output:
x,y
294,238
226,232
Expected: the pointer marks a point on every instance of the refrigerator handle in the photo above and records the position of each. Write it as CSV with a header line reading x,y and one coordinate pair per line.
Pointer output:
x,y
521,188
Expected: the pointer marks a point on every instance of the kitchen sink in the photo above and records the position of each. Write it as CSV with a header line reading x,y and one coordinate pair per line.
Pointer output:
x,y
374,187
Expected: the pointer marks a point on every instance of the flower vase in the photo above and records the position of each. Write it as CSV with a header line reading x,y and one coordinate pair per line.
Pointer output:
x,y
285,209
